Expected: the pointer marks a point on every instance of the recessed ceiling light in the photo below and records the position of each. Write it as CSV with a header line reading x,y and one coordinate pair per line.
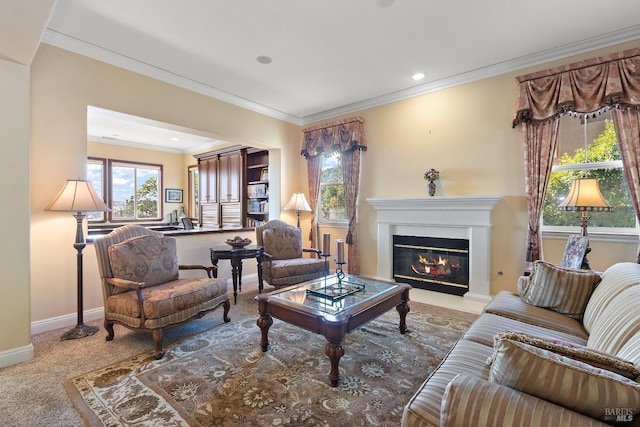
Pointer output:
x,y
264,59
175,139
418,76
385,3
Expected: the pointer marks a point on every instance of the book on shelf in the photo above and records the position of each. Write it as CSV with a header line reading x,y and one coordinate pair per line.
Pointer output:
x,y
256,190
251,222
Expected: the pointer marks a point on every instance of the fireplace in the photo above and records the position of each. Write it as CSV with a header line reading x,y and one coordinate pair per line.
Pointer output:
x,y
460,217
432,263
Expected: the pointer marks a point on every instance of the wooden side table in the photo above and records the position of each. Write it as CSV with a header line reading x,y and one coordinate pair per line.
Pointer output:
x,y
236,255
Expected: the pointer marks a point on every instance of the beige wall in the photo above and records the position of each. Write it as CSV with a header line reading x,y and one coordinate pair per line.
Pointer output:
x,y
14,174
465,132
63,85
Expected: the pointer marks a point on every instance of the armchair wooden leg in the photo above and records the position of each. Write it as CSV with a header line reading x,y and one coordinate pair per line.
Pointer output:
x,y
225,315
108,325
157,338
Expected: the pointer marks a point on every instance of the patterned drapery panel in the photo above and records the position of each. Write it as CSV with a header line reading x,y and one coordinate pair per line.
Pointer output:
x,y
584,87
346,136
342,135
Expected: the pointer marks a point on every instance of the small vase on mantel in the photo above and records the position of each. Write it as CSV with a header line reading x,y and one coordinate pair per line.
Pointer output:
x,y
431,176
432,188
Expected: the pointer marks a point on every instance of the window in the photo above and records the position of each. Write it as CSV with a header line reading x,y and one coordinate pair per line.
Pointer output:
x,y
193,191
602,162
97,176
135,190
331,206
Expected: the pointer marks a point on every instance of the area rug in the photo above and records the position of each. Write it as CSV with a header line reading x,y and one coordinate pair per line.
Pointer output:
x,y
221,377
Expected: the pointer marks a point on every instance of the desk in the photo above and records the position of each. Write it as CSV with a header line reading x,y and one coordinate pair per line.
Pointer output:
x,y
236,255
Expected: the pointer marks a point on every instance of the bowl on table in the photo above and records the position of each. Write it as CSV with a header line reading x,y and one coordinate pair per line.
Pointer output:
x,y
238,242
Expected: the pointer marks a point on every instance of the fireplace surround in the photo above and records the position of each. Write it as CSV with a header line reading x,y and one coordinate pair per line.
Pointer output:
x,y
460,217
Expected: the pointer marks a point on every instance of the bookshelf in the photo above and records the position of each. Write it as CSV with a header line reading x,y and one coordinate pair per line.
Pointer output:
x,y
257,188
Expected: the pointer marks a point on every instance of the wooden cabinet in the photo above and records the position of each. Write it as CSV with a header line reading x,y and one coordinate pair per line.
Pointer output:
x,y
234,187
208,171
230,174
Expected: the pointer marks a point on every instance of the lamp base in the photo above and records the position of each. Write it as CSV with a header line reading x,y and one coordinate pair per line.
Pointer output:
x,y
79,331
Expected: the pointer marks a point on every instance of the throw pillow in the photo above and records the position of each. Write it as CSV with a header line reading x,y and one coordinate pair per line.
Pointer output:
x,y
149,259
283,242
563,290
598,359
558,379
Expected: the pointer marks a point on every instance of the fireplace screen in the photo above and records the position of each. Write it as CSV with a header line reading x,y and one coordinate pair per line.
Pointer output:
x,y
435,264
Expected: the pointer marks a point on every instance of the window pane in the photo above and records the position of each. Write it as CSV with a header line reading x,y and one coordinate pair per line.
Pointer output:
x,y
147,193
332,206
603,163
123,181
95,175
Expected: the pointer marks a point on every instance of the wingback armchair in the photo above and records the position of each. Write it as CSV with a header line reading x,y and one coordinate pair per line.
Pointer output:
x,y
284,263
141,287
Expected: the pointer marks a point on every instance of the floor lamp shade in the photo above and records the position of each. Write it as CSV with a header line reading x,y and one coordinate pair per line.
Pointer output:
x,y
298,202
78,196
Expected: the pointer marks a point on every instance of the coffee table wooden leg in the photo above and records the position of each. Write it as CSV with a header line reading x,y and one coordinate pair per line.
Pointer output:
x,y
334,351
264,322
403,309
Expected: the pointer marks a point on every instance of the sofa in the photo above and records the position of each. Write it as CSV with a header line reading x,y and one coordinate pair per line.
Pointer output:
x,y
563,351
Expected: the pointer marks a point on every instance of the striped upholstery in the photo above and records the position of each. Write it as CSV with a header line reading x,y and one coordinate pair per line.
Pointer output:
x,y
488,325
561,380
596,358
506,304
471,401
615,279
618,322
424,407
457,393
563,290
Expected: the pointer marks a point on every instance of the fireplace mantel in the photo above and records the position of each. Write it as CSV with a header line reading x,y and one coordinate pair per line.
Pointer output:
x,y
448,217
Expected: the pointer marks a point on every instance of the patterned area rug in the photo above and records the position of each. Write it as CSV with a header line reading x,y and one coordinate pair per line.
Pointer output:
x,y
221,377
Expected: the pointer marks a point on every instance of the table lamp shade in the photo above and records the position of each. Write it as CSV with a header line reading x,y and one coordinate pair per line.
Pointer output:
x,y
77,196
298,202
585,195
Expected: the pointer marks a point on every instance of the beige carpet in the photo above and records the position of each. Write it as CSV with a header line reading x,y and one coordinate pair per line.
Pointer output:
x,y
221,376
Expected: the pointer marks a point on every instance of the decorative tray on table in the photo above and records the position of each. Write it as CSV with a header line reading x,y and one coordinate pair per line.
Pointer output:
x,y
335,291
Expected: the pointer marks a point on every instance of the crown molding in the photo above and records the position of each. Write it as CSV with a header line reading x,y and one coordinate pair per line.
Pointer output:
x,y
565,51
92,51
83,48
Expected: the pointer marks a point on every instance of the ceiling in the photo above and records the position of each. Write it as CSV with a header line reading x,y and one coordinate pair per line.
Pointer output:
x,y
329,57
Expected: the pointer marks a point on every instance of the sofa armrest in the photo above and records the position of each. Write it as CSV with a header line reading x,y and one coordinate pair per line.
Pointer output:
x,y
472,401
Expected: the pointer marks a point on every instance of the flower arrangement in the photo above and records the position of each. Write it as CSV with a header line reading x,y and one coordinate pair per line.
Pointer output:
x,y
432,175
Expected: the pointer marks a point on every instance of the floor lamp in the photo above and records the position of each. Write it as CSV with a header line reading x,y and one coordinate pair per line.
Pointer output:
x,y
298,203
78,196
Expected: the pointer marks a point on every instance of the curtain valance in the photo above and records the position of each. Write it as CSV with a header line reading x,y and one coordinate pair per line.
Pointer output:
x,y
582,87
341,135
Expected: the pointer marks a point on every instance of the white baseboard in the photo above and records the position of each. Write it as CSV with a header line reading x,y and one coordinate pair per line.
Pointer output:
x,y
65,321
16,355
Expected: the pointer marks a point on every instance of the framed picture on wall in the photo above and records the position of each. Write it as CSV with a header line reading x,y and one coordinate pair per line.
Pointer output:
x,y
172,195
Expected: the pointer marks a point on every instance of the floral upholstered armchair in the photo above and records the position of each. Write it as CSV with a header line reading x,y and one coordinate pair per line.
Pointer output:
x,y
284,263
141,288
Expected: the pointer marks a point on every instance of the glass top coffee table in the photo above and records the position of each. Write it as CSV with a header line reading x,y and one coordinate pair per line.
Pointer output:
x,y
332,309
